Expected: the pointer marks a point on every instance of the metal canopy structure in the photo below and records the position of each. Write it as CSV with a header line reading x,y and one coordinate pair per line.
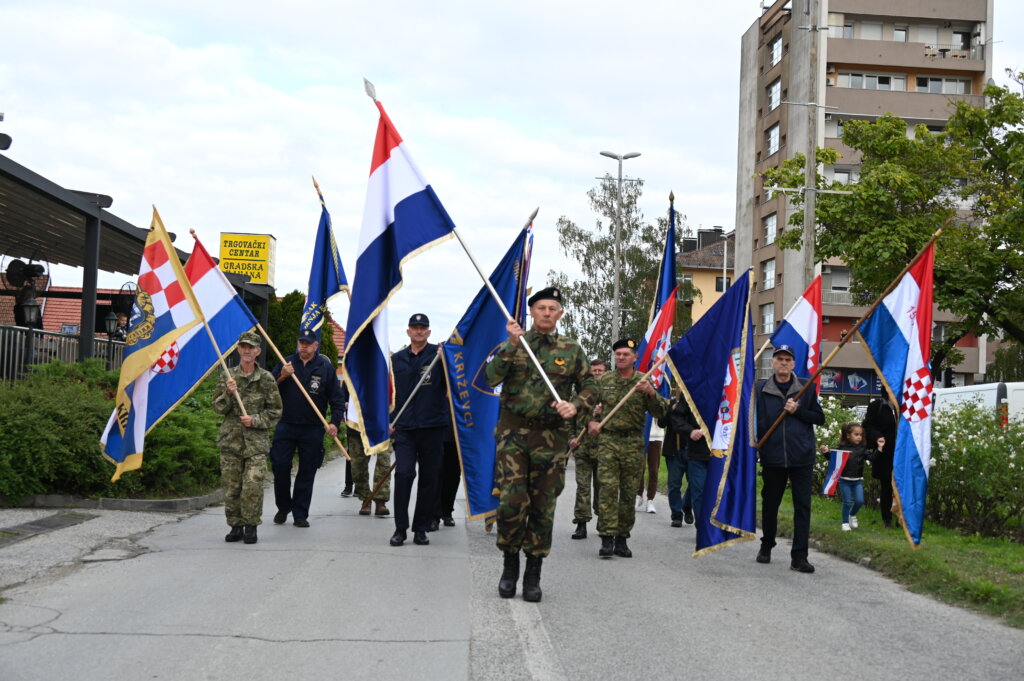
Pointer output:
x,y
40,220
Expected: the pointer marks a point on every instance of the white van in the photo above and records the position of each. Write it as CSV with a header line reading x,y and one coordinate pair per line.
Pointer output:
x,y
1007,395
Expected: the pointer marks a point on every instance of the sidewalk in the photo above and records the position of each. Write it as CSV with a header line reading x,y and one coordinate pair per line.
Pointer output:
x,y
173,600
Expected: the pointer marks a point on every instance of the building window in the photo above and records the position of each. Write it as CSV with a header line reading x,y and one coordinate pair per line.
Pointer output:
x,y
768,318
775,51
899,34
774,94
872,81
770,223
768,275
870,30
772,139
929,35
718,284
947,86
841,175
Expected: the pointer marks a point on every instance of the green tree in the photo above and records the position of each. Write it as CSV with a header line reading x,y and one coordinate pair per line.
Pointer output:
x,y
283,318
911,185
1008,364
589,299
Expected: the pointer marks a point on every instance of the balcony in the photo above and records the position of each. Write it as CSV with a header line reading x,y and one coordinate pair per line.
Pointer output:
x,y
885,55
836,298
912,105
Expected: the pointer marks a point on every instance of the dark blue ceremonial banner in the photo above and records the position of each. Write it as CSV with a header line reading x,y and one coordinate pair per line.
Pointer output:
x,y
472,345
714,362
326,275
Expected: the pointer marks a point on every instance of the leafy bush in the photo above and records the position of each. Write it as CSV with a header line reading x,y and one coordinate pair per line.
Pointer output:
x,y
51,422
976,482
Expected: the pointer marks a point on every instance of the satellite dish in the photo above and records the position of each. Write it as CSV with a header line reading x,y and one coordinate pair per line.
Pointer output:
x,y
18,272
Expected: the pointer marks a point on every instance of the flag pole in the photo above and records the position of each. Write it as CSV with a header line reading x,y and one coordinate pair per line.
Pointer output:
x,y
846,339
644,377
504,310
216,348
302,389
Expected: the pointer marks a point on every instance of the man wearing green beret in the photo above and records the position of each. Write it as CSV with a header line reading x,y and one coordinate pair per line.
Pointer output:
x,y
244,439
620,450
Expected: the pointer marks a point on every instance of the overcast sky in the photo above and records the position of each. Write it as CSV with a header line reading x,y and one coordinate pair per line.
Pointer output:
x,y
220,112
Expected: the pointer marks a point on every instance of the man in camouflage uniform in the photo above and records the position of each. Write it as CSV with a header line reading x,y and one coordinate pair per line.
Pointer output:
x,y
532,436
585,453
361,475
245,440
620,455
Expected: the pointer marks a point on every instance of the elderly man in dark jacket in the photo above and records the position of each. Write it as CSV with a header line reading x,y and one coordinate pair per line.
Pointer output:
x,y
789,454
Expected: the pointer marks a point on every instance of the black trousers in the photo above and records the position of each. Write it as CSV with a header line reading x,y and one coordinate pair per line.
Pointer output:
x,y
422,448
771,497
309,440
451,476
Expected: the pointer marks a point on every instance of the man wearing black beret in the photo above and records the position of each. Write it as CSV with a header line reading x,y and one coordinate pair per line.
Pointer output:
x,y
531,435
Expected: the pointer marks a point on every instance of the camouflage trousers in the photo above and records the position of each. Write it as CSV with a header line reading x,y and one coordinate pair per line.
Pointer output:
x,y
361,470
530,472
586,479
620,462
242,478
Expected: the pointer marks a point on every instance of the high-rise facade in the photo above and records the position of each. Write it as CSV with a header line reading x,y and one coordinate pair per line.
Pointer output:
x,y
808,66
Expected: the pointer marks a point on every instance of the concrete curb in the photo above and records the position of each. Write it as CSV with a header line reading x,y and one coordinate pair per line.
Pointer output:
x,y
150,505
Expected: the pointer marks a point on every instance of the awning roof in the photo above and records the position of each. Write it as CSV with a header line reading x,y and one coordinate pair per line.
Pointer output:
x,y
40,220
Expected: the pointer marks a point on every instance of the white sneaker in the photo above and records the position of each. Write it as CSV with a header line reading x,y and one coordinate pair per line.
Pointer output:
x,y
846,527
639,503
853,522
650,507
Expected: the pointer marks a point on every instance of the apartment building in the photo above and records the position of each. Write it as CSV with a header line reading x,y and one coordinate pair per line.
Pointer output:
x,y
808,66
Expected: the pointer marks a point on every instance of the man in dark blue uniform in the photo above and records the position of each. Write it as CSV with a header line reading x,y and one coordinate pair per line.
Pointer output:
x,y
300,428
420,431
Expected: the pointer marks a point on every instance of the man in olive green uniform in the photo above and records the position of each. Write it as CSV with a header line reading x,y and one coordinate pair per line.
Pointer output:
x,y
585,453
532,436
620,451
244,440
361,475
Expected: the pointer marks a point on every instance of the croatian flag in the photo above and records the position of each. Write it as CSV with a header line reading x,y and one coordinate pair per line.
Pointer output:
x,y
801,330
402,218
898,337
714,364
658,338
183,364
837,459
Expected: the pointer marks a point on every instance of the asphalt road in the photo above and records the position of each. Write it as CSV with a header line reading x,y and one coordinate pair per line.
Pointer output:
x,y
164,597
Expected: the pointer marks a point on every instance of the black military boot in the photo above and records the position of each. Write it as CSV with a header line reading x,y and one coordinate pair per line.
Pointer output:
x,y
581,531
621,549
531,579
607,547
509,576
235,534
249,534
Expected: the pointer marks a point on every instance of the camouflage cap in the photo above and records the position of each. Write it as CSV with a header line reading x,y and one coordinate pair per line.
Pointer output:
x,y
251,338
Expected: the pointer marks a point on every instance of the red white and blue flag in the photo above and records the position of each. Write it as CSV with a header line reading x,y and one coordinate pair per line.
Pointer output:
x,y
178,366
837,459
801,330
658,338
402,218
897,335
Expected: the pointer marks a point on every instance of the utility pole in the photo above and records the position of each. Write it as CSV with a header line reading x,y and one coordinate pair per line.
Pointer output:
x,y
811,183
617,300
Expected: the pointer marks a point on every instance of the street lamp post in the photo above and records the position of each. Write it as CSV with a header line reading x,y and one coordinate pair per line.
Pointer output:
x,y
616,303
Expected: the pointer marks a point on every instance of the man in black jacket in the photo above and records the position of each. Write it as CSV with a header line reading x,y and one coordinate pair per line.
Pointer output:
x,y
881,421
419,432
300,428
789,454
684,437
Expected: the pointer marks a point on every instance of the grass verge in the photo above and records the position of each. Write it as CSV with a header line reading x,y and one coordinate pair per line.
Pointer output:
x,y
984,574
